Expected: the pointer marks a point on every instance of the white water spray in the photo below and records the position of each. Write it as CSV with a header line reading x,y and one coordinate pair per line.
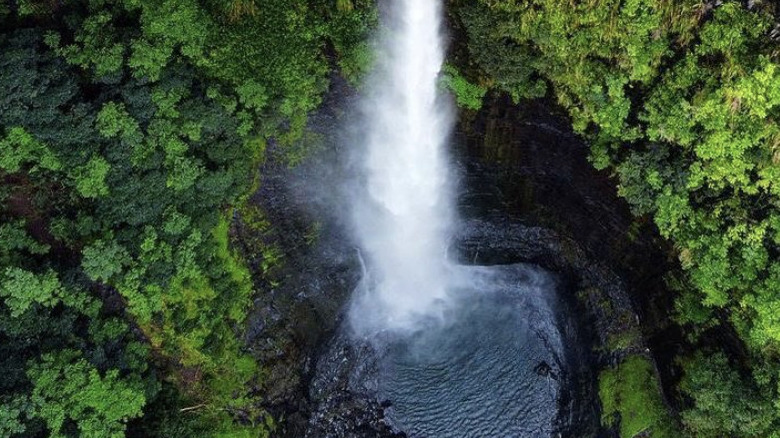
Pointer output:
x,y
404,213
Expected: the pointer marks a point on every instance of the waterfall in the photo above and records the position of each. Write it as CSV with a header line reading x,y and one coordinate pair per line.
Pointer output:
x,y
404,210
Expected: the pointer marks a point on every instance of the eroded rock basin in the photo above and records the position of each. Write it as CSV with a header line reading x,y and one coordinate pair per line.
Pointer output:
x,y
490,368
496,362
545,206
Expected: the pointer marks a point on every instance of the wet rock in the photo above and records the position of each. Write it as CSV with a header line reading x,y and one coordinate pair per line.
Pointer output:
x,y
543,369
528,195
343,393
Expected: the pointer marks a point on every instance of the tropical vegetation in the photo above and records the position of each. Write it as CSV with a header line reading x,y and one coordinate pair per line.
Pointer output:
x,y
129,132
679,101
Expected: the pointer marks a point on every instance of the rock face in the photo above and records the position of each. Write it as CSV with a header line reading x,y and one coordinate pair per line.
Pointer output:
x,y
528,196
524,162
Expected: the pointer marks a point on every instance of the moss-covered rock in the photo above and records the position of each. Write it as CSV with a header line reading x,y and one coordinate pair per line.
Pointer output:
x,y
632,402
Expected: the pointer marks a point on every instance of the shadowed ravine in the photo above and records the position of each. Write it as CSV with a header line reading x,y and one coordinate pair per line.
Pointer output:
x,y
450,351
530,371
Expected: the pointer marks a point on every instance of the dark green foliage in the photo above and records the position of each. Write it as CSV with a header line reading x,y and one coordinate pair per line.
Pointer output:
x,y
467,95
68,389
725,403
680,101
129,131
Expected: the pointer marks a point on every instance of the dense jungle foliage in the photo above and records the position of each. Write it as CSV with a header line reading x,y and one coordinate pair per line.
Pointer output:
x,y
680,101
129,132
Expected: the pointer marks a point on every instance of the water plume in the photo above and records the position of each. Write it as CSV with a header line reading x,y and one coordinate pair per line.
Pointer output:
x,y
404,211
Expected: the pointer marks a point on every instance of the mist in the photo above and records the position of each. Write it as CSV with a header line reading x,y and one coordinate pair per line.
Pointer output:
x,y
402,212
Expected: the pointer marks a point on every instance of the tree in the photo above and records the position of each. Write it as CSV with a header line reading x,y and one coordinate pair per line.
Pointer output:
x,y
91,178
679,101
68,390
724,402
128,132
22,289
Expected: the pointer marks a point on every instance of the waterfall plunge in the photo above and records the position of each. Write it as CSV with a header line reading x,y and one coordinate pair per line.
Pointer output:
x,y
404,212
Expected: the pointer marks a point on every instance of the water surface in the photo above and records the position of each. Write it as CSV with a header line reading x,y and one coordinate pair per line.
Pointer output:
x,y
491,368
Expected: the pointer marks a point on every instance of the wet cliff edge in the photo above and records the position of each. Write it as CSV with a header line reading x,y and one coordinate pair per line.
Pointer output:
x,y
527,194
